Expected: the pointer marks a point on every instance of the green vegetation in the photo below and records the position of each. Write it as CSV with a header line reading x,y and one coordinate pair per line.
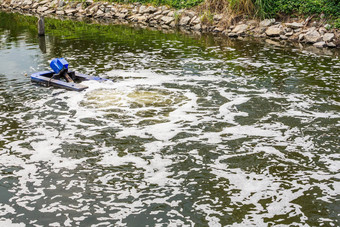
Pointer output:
x,y
337,23
330,8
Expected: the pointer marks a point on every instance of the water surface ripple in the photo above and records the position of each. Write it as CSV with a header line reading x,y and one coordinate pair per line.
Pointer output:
x,y
194,131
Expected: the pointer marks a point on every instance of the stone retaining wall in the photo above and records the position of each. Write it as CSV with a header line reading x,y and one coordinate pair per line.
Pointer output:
x,y
306,31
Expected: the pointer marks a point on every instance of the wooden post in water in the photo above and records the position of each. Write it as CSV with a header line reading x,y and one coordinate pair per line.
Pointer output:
x,y
41,26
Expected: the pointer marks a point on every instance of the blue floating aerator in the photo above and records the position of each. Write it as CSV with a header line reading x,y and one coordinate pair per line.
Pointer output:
x,y
58,64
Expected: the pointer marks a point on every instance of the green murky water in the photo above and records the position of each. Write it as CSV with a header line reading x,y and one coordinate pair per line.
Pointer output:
x,y
195,130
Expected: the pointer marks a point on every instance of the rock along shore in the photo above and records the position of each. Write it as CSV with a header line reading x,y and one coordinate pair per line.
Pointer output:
x,y
318,35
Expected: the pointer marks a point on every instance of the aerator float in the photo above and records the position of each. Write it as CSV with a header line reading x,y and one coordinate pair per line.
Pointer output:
x,y
61,77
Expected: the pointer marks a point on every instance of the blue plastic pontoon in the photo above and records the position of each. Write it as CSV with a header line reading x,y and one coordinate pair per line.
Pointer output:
x,y
61,77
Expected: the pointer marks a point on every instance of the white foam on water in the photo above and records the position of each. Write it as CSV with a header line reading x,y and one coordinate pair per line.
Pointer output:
x,y
268,151
163,111
8,222
110,158
6,209
228,111
253,187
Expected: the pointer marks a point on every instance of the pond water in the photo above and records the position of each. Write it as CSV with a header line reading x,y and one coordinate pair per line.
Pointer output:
x,y
194,130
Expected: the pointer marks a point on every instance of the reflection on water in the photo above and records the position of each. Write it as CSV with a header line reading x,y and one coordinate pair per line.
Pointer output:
x,y
42,44
194,131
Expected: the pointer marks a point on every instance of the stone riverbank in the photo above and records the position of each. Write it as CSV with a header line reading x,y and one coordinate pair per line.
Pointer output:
x,y
299,31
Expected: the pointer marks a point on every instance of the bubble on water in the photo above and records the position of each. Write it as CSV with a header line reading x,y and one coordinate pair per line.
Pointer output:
x,y
8,222
205,141
102,98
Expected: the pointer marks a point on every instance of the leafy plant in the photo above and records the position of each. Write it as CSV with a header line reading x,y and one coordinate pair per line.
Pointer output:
x,y
207,17
177,16
337,23
306,7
